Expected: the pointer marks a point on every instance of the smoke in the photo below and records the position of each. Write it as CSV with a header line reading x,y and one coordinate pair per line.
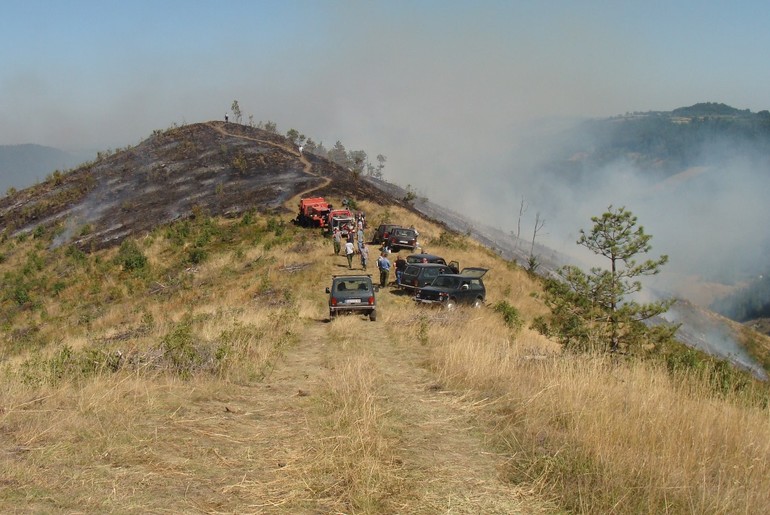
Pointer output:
x,y
709,219
714,337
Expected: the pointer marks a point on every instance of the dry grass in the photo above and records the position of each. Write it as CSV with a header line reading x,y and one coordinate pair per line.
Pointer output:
x,y
278,410
605,436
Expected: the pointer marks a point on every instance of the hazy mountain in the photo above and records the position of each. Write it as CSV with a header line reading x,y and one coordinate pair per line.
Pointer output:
x,y
24,165
697,177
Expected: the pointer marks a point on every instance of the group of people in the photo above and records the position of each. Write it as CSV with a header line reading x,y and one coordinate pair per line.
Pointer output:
x,y
357,245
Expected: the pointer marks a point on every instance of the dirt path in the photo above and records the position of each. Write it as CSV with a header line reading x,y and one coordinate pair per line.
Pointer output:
x,y
351,421
307,166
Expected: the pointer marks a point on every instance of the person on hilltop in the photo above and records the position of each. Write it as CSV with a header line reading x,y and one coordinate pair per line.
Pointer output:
x,y
384,265
349,251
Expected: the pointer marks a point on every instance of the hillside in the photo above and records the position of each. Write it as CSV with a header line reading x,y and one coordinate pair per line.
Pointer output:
x,y
167,347
222,169
664,143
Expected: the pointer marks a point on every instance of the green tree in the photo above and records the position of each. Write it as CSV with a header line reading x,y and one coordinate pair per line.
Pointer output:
x,y
268,126
311,146
236,109
358,160
338,154
595,310
381,164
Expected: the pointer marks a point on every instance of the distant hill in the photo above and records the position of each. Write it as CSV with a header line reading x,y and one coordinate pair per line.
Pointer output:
x,y
663,142
23,165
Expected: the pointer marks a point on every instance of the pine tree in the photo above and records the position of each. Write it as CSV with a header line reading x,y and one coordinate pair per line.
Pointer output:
x,y
594,310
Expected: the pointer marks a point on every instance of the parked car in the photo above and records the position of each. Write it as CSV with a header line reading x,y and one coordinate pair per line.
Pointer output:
x,y
352,294
449,290
383,233
432,258
401,238
418,275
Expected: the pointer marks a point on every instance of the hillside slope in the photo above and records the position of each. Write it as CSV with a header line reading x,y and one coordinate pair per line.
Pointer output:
x,y
220,168
228,169
193,368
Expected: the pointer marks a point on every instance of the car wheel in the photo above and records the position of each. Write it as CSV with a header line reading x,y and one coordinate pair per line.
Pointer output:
x,y
373,315
477,303
332,314
450,304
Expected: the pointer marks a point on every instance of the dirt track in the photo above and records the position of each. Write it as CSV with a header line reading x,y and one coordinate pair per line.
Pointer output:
x,y
418,449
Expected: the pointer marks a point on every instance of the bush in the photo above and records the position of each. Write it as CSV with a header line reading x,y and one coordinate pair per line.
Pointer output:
x,y
130,257
180,351
196,255
540,324
510,314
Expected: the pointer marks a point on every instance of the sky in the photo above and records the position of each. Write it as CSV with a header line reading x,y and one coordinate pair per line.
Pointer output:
x,y
451,92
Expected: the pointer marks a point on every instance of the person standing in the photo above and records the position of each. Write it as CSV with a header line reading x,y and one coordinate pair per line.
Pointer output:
x,y
384,265
349,251
360,236
364,250
337,239
400,267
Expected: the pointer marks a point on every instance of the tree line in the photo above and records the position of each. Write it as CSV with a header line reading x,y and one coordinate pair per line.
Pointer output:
x,y
357,161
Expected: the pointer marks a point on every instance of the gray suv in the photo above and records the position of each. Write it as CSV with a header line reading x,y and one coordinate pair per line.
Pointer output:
x,y
352,294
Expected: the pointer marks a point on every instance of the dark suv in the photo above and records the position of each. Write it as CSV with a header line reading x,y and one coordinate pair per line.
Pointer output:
x,y
450,290
352,294
432,258
401,238
383,233
417,275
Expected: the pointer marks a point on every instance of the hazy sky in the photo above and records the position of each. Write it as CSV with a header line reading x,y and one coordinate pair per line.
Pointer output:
x,y
383,76
441,88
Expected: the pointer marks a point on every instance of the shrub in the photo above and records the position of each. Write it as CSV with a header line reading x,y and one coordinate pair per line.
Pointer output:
x,y
540,324
275,226
180,351
130,257
510,314
196,255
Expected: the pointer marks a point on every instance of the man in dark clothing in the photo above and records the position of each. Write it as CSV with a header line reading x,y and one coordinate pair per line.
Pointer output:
x,y
384,265
400,267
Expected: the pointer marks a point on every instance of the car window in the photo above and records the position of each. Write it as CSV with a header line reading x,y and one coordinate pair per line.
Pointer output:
x,y
445,282
476,285
430,273
353,285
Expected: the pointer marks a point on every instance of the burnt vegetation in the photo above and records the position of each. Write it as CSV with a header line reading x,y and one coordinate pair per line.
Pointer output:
x,y
216,168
